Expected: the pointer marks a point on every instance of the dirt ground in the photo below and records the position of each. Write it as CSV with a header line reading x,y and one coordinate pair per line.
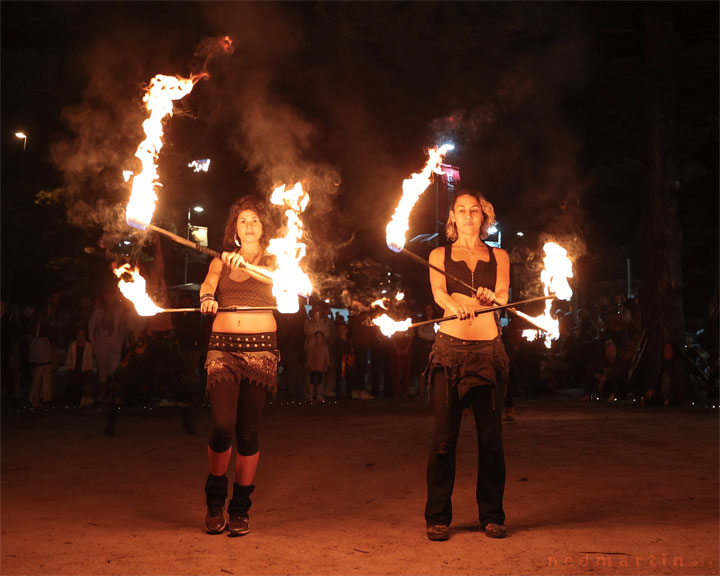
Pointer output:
x,y
591,488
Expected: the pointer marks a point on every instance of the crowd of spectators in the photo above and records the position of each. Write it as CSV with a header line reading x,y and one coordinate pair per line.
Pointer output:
x,y
66,350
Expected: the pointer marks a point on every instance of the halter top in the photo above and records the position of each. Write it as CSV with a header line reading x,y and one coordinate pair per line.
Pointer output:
x,y
484,274
248,292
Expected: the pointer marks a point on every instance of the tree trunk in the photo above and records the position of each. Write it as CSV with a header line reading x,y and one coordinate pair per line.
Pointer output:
x,y
661,295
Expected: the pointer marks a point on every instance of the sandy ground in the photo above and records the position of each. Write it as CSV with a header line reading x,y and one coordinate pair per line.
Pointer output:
x,y
341,489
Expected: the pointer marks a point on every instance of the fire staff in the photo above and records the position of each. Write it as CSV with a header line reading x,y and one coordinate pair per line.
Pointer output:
x,y
241,361
468,365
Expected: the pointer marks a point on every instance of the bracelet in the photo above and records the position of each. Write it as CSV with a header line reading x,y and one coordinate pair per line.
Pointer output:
x,y
206,297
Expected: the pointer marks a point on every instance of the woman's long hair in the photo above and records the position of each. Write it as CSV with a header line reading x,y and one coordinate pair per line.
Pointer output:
x,y
248,202
488,213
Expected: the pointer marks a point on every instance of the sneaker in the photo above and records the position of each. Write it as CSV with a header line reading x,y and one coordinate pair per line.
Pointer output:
x,y
215,520
495,530
238,526
362,395
437,532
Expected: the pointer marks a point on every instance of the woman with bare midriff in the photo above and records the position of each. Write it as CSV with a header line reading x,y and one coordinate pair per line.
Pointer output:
x,y
241,362
468,366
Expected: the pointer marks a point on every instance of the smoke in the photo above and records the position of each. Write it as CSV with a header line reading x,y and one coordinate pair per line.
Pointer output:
x,y
524,145
341,98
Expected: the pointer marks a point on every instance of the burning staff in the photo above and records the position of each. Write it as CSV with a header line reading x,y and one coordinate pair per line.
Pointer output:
x,y
509,307
159,97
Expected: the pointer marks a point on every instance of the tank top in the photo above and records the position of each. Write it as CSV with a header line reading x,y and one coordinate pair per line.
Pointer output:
x,y
485,273
248,292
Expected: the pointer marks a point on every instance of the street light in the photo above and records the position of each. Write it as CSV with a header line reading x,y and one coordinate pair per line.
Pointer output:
x,y
23,136
192,209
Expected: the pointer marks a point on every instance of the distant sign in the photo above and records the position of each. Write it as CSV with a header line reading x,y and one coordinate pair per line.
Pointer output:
x,y
200,165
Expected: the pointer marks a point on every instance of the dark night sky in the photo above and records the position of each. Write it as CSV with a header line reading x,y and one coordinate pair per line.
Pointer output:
x,y
547,103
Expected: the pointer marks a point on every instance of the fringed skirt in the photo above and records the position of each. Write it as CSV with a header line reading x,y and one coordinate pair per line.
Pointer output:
x,y
236,356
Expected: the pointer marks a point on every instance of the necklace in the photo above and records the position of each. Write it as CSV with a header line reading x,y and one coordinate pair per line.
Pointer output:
x,y
467,250
255,258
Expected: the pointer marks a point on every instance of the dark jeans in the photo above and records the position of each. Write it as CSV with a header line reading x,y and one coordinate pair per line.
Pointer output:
x,y
448,410
75,384
316,383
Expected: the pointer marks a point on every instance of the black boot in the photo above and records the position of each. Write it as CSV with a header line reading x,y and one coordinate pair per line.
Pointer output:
x,y
215,496
238,509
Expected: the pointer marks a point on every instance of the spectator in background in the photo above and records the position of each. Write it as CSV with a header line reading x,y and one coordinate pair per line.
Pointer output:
x,y
291,340
422,346
618,322
80,317
671,386
11,335
318,362
401,359
344,358
188,331
107,333
380,366
78,368
154,368
316,321
361,335
609,374
45,348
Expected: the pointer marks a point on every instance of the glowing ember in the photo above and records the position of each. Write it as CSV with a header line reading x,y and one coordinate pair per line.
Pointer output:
x,y
554,277
159,97
134,290
388,326
400,296
380,303
413,187
289,280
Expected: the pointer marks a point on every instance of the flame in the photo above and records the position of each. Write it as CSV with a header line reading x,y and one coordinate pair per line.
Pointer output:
x,y
400,296
413,187
554,277
134,290
289,280
159,97
388,326
379,303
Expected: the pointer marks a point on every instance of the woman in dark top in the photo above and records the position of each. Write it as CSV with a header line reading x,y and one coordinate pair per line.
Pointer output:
x,y
241,362
468,365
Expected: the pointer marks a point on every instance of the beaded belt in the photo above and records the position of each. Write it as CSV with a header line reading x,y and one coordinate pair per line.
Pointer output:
x,y
229,342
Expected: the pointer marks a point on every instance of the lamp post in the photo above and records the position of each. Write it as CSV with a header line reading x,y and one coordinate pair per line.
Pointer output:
x,y
24,138
197,209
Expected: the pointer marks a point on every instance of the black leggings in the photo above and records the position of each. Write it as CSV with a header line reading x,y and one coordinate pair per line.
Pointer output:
x,y
236,406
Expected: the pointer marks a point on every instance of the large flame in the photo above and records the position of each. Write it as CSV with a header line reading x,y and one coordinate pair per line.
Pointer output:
x,y
554,277
134,290
413,187
388,326
159,97
289,279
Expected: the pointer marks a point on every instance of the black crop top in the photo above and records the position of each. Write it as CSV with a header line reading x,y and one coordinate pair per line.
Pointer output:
x,y
248,292
485,273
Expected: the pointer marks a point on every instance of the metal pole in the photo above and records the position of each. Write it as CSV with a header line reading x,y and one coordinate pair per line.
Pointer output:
x,y
186,253
629,281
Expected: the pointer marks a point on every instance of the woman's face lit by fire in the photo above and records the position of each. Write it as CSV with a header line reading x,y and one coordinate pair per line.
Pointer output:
x,y
467,214
249,227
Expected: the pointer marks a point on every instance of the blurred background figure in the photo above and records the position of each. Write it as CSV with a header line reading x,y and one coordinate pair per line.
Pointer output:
x,y
107,332
78,368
